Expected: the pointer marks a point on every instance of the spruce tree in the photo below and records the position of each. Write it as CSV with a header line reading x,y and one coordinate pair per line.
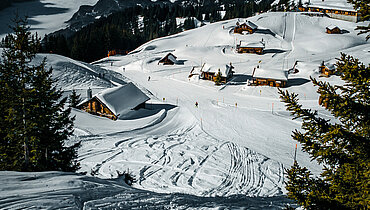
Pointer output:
x,y
363,7
34,123
218,78
341,146
74,99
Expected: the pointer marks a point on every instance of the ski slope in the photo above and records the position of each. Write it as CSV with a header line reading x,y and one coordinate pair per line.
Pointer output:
x,y
229,152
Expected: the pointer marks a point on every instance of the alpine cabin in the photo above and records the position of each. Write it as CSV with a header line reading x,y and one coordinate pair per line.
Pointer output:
x,y
345,11
247,27
254,47
169,59
114,103
209,72
332,29
272,78
327,69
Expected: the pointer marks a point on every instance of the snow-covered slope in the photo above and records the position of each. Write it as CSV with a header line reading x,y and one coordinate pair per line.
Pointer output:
x,y
237,141
239,138
57,190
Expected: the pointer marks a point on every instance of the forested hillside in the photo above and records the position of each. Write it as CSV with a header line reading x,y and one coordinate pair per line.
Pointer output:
x,y
126,30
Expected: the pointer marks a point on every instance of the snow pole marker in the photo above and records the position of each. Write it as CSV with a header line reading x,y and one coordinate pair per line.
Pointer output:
x,y
295,153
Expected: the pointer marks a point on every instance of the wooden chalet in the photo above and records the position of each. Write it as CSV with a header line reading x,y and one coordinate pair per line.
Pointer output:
x,y
272,78
209,72
327,69
248,27
169,59
114,103
332,29
255,47
341,12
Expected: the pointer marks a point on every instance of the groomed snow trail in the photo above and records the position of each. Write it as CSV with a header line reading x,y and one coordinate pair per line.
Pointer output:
x,y
181,158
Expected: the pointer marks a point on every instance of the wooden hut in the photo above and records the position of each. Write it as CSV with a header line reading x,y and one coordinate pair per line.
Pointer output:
x,y
169,59
248,27
344,12
209,72
332,29
255,47
271,77
114,103
327,69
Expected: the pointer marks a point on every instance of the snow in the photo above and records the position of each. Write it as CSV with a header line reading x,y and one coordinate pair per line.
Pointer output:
x,y
228,152
58,190
331,4
252,44
122,99
277,74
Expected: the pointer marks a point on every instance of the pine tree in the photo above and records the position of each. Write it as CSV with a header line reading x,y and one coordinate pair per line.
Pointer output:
x,y
34,123
74,99
218,78
363,8
342,146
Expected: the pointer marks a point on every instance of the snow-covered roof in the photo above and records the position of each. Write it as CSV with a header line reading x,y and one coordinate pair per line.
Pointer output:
x,y
170,57
224,69
196,70
122,99
330,66
332,4
331,27
251,25
271,74
252,44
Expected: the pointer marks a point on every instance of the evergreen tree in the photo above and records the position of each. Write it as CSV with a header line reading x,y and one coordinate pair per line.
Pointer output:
x,y
342,147
363,7
74,99
218,78
34,123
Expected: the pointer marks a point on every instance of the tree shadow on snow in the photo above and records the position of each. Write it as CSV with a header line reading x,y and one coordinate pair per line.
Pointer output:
x,y
151,106
273,51
239,79
150,110
180,62
297,82
265,31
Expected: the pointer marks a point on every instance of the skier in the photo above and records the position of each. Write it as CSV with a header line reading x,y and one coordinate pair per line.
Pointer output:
x,y
196,104
148,78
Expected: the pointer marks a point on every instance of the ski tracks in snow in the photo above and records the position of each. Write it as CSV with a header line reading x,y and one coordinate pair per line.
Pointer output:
x,y
185,159
250,174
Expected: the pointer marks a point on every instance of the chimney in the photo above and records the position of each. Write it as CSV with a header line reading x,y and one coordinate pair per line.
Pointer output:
x,y
89,94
